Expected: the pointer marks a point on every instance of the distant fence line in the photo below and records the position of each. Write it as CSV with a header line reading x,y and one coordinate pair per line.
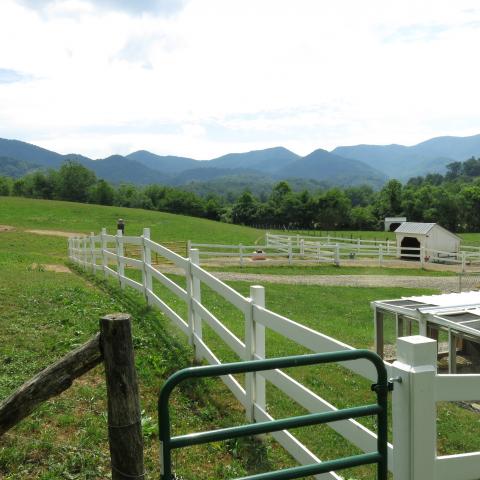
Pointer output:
x,y
335,250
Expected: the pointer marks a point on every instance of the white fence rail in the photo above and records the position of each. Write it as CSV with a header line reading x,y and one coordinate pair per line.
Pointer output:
x,y
411,424
382,250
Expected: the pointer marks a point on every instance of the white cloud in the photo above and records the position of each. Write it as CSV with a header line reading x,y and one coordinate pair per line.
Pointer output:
x,y
232,75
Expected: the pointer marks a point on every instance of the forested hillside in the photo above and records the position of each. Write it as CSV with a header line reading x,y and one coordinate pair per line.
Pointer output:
x,y
453,199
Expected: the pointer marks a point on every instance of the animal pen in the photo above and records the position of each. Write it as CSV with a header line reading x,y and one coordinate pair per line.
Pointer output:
x,y
300,249
417,386
456,314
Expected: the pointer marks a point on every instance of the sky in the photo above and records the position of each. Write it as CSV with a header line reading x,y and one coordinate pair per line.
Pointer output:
x,y
202,78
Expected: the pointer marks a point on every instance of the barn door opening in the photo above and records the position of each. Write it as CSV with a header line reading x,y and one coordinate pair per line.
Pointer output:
x,y
410,249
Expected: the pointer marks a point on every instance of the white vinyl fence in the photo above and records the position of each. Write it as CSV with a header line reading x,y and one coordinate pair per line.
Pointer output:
x,y
306,248
414,417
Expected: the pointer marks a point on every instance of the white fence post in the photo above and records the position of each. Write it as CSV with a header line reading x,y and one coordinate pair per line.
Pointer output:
x,y
93,255
463,262
337,255
240,248
120,264
380,254
103,246
289,251
147,263
257,294
84,251
252,381
414,409
302,247
196,294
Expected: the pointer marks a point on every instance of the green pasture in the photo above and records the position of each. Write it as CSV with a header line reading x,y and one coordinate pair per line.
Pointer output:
x,y
83,218
46,314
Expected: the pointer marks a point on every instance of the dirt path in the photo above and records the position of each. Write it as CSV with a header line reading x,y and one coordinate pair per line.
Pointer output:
x,y
56,233
444,284
447,284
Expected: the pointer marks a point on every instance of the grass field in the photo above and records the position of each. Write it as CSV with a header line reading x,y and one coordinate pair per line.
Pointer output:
x,y
77,217
45,314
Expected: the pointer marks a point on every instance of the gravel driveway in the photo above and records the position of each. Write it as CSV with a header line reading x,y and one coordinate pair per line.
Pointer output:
x,y
446,284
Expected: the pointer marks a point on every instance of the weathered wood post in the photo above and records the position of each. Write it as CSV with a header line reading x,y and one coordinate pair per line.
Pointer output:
x,y
124,419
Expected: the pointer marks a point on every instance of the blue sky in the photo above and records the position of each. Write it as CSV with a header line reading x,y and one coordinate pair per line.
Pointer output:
x,y
201,78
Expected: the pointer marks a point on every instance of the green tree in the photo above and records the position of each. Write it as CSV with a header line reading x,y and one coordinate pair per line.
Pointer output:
x,y
102,193
5,186
74,182
333,209
245,210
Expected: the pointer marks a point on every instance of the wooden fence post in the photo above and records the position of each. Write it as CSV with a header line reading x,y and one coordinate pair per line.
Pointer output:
x,y
289,250
124,418
240,248
147,263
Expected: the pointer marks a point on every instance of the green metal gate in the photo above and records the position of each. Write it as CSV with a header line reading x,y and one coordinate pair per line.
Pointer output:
x,y
381,388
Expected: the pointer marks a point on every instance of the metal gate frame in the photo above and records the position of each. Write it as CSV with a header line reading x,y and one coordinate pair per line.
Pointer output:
x,y
381,388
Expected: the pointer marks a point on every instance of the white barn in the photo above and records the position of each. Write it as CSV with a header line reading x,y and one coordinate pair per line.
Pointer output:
x,y
392,223
412,236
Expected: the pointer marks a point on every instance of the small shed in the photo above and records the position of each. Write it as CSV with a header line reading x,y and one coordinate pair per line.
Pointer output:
x,y
434,241
392,223
456,314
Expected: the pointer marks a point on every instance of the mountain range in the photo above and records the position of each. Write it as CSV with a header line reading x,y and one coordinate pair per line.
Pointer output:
x,y
343,166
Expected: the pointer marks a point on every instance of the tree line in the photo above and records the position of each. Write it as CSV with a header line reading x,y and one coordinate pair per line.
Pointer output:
x,y
452,200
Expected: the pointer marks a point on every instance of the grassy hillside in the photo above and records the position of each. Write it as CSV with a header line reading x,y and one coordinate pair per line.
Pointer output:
x,y
77,217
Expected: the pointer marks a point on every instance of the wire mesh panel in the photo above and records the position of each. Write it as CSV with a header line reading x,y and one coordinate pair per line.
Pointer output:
x,y
468,281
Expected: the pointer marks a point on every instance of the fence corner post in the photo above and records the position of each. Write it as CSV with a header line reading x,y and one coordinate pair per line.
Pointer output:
x,y
124,417
414,409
